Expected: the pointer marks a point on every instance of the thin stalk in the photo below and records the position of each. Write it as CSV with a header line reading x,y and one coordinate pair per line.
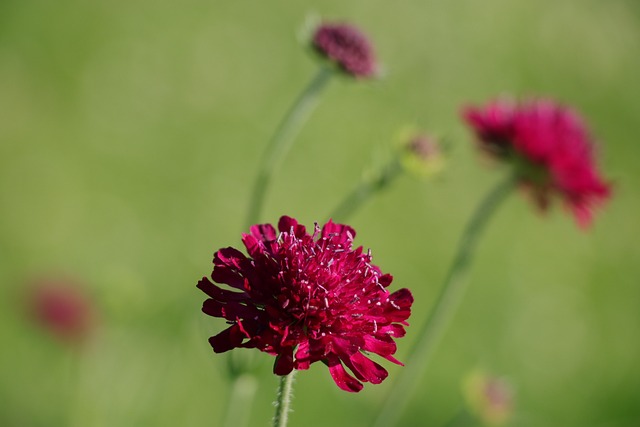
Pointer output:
x,y
446,302
243,391
282,139
283,400
367,187
459,419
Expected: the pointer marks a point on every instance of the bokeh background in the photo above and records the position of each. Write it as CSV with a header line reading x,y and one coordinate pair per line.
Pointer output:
x,y
130,132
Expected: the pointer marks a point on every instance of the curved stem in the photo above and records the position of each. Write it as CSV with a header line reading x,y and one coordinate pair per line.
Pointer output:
x,y
446,302
283,400
282,140
356,198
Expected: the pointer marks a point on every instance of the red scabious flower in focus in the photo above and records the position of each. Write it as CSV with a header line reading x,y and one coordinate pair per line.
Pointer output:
x,y
551,147
348,47
61,307
307,298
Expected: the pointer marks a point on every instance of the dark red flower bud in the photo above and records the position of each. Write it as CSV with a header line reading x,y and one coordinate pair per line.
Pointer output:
x,y
347,47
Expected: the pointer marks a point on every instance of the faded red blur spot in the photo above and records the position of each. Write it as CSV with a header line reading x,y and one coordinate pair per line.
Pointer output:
x,y
63,308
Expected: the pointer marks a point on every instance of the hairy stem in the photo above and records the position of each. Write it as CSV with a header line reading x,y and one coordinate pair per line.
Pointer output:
x,y
283,400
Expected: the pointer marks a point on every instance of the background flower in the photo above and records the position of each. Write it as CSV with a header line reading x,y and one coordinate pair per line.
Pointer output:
x,y
61,307
307,298
489,398
347,46
551,148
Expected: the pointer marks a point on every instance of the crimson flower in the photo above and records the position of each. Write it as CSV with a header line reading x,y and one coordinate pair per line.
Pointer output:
x,y
346,46
551,147
306,298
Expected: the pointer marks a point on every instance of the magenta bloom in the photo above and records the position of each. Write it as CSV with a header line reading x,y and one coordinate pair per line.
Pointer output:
x,y
62,308
307,298
551,147
348,47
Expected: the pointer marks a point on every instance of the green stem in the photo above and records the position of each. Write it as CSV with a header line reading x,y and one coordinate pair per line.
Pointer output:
x,y
446,302
460,418
243,390
283,400
283,138
354,200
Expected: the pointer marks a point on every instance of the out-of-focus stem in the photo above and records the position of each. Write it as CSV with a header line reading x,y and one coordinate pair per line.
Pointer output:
x,y
282,140
367,187
243,391
446,302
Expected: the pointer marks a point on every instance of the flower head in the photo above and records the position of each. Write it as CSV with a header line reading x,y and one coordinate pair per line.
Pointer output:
x,y
306,298
62,308
551,147
347,47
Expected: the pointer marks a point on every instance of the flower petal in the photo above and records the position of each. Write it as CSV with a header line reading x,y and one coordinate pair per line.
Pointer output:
x,y
302,356
228,265
395,330
366,369
226,340
219,294
255,247
384,347
344,232
230,310
284,362
399,308
286,224
264,232
385,280
342,379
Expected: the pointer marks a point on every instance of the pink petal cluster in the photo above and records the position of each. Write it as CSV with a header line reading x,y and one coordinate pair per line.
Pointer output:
x,y
348,47
552,147
307,298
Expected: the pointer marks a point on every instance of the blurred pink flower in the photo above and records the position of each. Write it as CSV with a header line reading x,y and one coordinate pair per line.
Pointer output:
x,y
551,147
347,46
307,298
62,308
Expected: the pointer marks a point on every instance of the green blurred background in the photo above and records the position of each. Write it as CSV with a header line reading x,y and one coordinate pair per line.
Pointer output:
x,y
130,132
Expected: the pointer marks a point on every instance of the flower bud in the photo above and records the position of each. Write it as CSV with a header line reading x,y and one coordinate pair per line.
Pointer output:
x,y
347,47
421,154
489,398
